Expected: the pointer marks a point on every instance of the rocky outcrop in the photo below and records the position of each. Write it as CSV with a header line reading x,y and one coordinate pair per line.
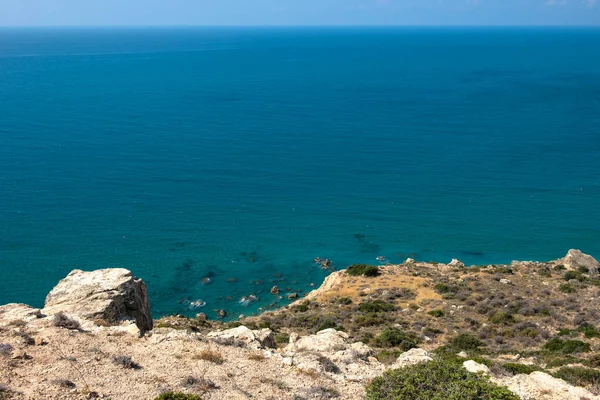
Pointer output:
x,y
258,339
13,313
412,357
538,384
575,259
112,295
475,367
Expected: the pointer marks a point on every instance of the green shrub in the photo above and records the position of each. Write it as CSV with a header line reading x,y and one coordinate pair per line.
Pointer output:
x,y
301,307
560,361
435,380
362,269
559,267
574,275
388,356
344,300
371,319
436,313
375,306
579,376
502,318
442,288
465,341
177,396
594,361
588,330
516,369
566,288
567,346
394,337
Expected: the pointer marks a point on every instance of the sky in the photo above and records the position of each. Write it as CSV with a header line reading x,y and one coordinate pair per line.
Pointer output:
x,y
297,12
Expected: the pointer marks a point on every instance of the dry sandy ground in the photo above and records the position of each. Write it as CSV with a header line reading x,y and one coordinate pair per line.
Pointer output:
x,y
166,360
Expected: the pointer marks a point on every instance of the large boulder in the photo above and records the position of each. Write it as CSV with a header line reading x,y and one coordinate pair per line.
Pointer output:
x,y
258,339
113,295
328,340
412,357
576,259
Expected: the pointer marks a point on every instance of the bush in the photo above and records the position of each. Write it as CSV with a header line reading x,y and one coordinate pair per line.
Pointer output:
x,y
5,349
442,288
362,269
177,396
435,380
61,320
588,330
517,369
465,341
125,362
566,288
574,275
436,313
579,376
375,306
594,361
212,356
567,346
328,365
502,318
393,337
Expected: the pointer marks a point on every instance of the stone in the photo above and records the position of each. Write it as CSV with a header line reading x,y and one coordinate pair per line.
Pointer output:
x,y
20,355
328,340
257,340
463,354
13,312
475,367
292,296
275,290
201,317
222,313
576,259
412,357
113,295
409,261
456,263
38,341
542,385
504,281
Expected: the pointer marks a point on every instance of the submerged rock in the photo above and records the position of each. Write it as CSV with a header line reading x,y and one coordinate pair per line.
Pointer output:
x,y
113,295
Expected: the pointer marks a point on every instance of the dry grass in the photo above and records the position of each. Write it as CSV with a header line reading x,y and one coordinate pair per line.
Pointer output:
x,y
256,356
210,355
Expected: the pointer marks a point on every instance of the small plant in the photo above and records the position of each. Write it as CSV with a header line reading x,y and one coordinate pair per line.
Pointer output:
x,y
125,362
328,365
345,301
363,269
388,357
65,383
303,307
394,337
256,356
436,313
579,376
559,267
574,275
375,306
201,384
566,288
177,396
5,349
588,330
466,342
210,355
442,288
323,392
61,320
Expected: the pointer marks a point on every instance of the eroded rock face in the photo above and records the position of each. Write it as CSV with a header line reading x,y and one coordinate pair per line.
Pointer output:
x,y
113,295
576,259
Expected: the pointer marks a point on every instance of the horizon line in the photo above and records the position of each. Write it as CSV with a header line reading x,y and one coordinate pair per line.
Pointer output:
x,y
333,26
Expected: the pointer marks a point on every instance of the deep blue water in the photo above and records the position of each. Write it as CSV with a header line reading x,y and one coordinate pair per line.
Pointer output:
x,y
246,153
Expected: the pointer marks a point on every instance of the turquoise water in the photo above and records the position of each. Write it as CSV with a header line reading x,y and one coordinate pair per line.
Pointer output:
x,y
243,154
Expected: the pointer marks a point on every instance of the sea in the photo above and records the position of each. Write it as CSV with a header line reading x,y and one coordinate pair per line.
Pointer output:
x,y
215,163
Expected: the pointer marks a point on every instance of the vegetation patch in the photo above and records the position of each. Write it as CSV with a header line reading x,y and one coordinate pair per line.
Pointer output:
x,y
517,369
177,396
376,306
436,313
579,376
439,379
394,337
466,342
557,345
362,270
